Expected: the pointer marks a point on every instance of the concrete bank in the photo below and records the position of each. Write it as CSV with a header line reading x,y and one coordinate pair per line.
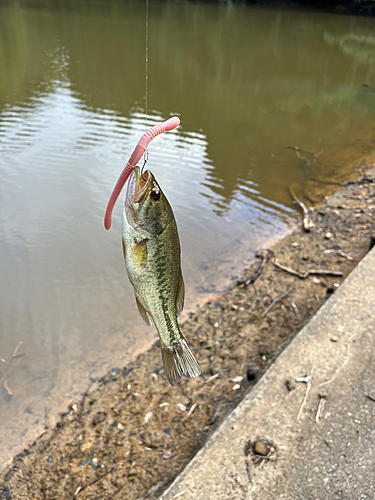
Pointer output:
x,y
319,434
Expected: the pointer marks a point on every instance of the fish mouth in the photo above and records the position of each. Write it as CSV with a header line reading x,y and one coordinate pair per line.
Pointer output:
x,y
142,185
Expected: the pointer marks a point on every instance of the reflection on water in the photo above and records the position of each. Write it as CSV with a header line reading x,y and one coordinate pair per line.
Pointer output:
x,y
244,81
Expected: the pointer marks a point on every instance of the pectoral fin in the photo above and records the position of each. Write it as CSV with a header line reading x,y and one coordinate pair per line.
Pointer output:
x,y
139,253
124,248
145,315
180,296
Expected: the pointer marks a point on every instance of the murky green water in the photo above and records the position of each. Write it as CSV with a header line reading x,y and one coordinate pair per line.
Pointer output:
x,y
244,81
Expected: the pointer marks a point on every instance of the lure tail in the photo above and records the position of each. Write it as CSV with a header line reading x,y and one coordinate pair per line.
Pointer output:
x,y
178,360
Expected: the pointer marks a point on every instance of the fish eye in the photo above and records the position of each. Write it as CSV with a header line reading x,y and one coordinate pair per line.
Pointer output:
x,y
155,194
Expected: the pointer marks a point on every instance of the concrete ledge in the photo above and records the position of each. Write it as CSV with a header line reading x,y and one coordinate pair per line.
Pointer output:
x,y
328,454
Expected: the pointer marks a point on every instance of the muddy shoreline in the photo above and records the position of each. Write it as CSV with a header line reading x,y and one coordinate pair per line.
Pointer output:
x,y
129,437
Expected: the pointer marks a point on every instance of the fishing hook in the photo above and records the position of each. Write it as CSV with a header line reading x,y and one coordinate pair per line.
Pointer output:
x,y
145,160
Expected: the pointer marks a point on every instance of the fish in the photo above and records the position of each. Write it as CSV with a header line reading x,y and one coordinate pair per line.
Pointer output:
x,y
153,263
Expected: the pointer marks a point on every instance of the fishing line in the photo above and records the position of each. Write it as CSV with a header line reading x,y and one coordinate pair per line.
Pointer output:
x,y
146,64
141,147
145,155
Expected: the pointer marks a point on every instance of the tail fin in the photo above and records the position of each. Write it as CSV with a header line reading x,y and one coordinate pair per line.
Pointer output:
x,y
179,360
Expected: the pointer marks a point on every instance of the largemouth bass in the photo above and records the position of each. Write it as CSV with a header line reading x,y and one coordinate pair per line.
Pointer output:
x,y
152,257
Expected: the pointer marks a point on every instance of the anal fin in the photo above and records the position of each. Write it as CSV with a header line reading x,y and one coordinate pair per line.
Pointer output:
x,y
145,315
180,296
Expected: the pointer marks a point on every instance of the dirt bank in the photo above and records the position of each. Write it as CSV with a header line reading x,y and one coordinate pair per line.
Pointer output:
x,y
129,437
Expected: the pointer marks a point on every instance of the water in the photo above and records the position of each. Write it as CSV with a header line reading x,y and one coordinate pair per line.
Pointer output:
x,y
245,81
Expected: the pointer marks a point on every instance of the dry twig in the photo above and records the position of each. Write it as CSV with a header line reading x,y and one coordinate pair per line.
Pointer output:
x,y
322,400
303,158
306,221
307,273
308,387
116,492
293,304
11,364
278,300
81,488
258,272
179,494
344,363
189,412
343,254
6,387
298,149
211,378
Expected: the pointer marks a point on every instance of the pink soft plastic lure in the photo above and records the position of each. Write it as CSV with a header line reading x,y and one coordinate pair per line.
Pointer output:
x,y
143,142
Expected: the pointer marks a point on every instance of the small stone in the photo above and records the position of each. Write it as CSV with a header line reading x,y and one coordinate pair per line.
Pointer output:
x,y
289,385
328,236
85,446
99,417
83,461
126,372
334,339
153,440
148,416
304,380
167,454
261,448
95,462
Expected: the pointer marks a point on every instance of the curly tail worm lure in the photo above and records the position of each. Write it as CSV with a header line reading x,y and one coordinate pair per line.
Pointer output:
x,y
140,148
